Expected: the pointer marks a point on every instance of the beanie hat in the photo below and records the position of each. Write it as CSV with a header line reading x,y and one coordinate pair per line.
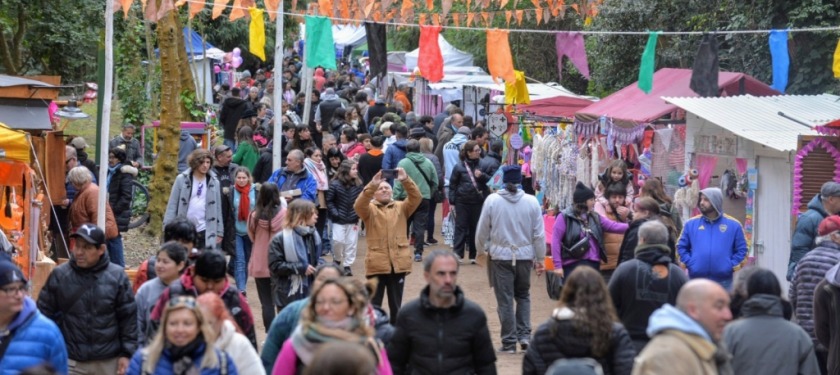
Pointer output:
x,y
10,273
210,265
582,193
417,132
828,225
464,130
512,174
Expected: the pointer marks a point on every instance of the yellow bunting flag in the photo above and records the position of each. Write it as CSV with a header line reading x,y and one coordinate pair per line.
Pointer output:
x,y
256,33
836,64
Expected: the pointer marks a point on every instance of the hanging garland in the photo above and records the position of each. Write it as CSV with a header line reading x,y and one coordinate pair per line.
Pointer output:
x,y
590,129
797,169
828,130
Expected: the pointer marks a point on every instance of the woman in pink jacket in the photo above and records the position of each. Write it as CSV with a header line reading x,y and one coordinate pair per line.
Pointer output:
x,y
264,222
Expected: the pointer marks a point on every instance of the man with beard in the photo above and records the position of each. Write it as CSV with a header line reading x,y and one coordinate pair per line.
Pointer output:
x,y
712,245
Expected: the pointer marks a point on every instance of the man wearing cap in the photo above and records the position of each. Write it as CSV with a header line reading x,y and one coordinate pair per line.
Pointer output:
x,y
91,300
422,173
27,338
82,157
511,231
712,245
127,142
416,133
452,152
826,203
229,115
224,168
207,275
810,270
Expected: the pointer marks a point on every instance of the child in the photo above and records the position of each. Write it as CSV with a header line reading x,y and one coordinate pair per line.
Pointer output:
x,y
616,173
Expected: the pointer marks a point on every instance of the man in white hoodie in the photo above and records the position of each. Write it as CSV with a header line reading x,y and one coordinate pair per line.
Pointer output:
x,y
511,230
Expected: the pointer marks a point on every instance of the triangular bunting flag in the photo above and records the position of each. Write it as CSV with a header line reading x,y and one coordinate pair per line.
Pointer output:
x,y
470,17
446,6
486,17
344,9
572,46
508,14
648,64
386,4
781,60
369,8
407,11
179,3
430,4
502,4
422,19
499,59
325,7
377,16
125,5
536,3
237,11
256,33
435,19
430,59
320,50
468,4
539,14
271,7
456,19
518,13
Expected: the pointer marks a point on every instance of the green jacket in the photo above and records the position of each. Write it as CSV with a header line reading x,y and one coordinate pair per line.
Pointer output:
x,y
247,156
410,163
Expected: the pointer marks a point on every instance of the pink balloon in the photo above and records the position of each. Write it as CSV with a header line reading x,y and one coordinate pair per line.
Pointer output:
x,y
217,69
237,52
237,61
227,67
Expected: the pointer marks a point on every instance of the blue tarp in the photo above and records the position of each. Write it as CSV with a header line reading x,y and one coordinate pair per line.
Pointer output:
x,y
192,43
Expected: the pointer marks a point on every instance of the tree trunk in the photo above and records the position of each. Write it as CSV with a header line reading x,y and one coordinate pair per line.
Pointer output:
x,y
173,60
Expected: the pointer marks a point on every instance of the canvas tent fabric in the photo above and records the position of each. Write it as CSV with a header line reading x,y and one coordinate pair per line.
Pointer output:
x,y
348,35
451,56
13,144
630,106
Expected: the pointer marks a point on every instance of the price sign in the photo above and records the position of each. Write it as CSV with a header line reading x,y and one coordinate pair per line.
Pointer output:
x,y
497,124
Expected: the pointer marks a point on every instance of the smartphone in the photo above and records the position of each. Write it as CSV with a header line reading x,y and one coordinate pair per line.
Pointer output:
x,y
389,173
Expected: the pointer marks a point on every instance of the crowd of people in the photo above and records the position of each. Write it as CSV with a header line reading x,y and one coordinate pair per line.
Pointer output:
x,y
642,293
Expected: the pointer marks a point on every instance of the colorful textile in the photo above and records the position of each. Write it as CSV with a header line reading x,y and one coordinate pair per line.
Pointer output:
x,y
377,50
256,33
499,59
648,64
517,92
320,50
571,45
781,60
430,61
704,72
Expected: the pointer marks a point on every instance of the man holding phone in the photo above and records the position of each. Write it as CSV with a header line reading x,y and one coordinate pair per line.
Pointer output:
x,y
295,178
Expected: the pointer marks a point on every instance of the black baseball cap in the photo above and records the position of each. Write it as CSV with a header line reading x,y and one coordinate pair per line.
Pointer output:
x,y
90,233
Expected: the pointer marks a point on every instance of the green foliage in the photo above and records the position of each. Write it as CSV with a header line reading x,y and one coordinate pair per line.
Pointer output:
x,y
196,109
131,76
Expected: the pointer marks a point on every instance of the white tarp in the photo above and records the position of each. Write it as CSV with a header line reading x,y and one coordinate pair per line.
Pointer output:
x,y
348,35
451,56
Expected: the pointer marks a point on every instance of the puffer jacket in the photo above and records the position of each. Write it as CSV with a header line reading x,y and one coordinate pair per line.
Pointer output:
x,y
432,340
827,317
810,270
84,208
340,200
179,204
102,322
236,345
388,250
120,194
281,329
36,340
261,232
164,365
282,269
557,338
631,240
612,241
461,188
805,233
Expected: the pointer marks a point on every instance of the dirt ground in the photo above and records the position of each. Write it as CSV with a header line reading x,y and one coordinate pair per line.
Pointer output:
x,y
471,278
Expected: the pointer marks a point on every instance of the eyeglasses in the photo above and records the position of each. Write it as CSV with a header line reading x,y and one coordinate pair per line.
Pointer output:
x,y
69,160
14,290
200,189
330,302
182,301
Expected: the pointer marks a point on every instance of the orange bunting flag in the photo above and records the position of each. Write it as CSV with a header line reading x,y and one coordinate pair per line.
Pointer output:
x,y
344,9
536,3
240,9
125,5
385,5
196,6
499,59
430,4
369,8
456,19
179,3
377,16
508,14
326,8
470,17
575,7
486,17
445,6
430,58
539,14
519,14
468,4
219,7
407,11
422,19
154,14
271,8
435,19
502,4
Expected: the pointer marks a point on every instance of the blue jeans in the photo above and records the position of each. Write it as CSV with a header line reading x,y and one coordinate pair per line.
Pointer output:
x,y
115,251
230,143
326,238
240,262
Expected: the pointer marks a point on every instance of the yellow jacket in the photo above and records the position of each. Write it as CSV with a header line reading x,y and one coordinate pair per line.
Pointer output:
x,y
675,352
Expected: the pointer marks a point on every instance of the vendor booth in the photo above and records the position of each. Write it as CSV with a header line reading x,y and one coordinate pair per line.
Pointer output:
x,y
18,212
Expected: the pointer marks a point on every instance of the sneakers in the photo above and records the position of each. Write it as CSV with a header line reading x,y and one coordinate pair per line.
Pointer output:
x,y
418,258
508,349
472,261
524,345
431,242
347,271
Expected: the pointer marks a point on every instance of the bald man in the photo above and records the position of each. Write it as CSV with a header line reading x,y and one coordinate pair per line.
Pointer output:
x,y
686,339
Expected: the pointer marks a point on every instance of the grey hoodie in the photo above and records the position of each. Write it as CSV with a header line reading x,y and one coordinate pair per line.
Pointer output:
x,y
511,225
715,196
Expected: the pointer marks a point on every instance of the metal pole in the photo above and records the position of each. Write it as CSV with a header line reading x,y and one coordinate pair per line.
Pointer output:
x,y
307,104
105,118
276,153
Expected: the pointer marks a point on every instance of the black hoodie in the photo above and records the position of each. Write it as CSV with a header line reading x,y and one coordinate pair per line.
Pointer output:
x,y
231,113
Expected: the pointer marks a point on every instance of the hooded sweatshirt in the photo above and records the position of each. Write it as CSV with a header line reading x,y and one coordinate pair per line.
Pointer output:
x,y
319,79
394,154
511,225
712,249
804,236
188,145
451,155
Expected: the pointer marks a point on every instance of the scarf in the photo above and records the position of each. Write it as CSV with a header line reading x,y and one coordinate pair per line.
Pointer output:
x,y
244,202
307,338
111,171
295,250
182,356
317,170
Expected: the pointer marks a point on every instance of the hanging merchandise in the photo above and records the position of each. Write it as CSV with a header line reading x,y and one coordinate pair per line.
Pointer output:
x,y
648,64
781,60
256,33
589,129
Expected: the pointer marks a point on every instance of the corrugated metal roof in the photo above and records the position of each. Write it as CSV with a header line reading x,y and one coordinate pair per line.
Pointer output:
x,y
758,119
9,81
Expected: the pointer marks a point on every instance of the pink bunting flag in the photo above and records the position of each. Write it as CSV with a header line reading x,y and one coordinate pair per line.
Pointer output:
x,y
571,45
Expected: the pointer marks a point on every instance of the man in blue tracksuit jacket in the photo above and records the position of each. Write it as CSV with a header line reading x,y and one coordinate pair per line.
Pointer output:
x,y
712,245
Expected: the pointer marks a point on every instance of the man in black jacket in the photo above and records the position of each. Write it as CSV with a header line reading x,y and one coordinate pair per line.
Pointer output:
x,y
491,162
91,301
224,169
441,332
232,110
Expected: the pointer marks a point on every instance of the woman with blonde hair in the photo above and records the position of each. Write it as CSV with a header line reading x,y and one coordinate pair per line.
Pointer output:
x,y
183,345
229,337
294,253
584,325
336,313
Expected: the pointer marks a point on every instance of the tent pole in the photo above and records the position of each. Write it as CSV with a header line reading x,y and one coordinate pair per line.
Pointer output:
x,y
105,123
307,104
277,149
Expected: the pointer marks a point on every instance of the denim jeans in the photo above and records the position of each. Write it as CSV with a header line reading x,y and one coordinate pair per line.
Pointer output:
x,y
240,263
326,238
230,143
115,251
513,282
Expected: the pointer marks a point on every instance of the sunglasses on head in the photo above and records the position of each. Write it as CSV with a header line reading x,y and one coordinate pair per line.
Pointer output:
x,y
182,301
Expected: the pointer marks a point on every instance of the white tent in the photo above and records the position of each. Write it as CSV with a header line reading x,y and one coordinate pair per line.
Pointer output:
x,y
348,35
451,56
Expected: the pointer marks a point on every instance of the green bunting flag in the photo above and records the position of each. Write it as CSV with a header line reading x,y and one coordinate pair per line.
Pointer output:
x,y
648,63
320,48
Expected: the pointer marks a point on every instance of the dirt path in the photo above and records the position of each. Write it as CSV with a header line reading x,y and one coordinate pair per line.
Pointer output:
x,y
472,279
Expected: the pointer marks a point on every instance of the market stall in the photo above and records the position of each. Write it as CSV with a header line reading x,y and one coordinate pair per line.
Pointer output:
x,y
19,206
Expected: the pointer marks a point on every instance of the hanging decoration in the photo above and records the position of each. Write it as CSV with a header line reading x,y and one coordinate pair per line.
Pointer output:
x,y
499,59
648,64
431,65
836,64
797,168
571,45
377,50
256,33
239,9
154,14
124,5
781,60
705,70
590,129
319,47
271,7
218,7
517,92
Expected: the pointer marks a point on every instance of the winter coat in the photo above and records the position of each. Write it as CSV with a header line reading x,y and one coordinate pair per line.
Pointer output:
x,y
511,226
461,188
810,270
246,155
326,109
102,322
263,168
131,147
226,177
388,250
596,223
712,249
230,114
179,204
401,97
557,338
433,340
631,240
356,148
235,303
451,156
282,269
340,200
84,210
640,286
827,317
445,133
805,234
289,363
186,147
164,364
490,163
236,346
394,154
438,168
281,329
306,183
36,340
419,175
120,194
612,241
370,164
680,345
242,225
764,342
261,231
146,298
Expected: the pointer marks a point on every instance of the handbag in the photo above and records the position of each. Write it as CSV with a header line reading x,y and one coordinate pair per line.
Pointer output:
x,y
448,229
437,194
579,248
553,285
472,178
